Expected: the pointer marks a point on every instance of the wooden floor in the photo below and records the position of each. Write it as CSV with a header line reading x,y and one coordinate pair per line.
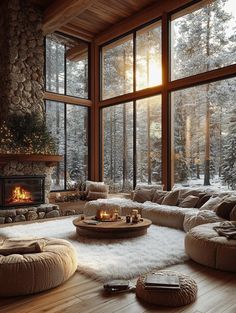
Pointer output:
x,y
216,294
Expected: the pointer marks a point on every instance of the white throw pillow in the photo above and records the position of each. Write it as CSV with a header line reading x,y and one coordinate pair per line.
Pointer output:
x,y
211,204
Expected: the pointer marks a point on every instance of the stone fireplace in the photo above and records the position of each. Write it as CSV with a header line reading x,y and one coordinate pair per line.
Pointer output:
x,y
22,92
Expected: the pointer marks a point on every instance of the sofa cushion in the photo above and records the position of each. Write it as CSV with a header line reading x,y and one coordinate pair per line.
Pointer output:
x,y
225,207
211,204
193,219
189,202
185,192
159,196
165,215
98,187
142,195
205,246
203,198
171,198
233,214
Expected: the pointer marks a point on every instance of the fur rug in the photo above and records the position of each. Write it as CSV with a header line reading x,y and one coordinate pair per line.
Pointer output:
x,y
112,259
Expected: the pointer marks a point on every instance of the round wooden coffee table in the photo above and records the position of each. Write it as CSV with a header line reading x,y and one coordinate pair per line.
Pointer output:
x,y
119,229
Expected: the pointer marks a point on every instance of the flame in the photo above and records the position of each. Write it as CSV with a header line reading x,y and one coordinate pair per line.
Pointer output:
x,y
21,195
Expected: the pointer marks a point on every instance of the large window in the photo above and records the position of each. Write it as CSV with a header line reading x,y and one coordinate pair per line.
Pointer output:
x,y
118,146
148,140
183,128
142,47
66,73
131,142
117,68
203,38
148,56
205,134
67,66
123,162
68,125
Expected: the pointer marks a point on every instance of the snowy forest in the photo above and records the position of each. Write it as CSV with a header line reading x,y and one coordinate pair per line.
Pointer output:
x,y
203,117
67,123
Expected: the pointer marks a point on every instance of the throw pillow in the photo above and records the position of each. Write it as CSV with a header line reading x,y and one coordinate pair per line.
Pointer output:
x,y
233,214
211,204
203,198
185,192
142,195
171,198
92,195
224,209
98,187
159,196
189,202
89,182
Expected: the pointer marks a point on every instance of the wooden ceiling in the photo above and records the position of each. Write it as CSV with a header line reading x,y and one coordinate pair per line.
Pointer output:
x,y
86,19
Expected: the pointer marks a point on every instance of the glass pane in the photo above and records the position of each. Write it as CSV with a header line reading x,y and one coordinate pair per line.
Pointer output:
x,y
148,57
118,146
148,140
55,122
77,70
204,135
55,68
77,145
203,38
117,68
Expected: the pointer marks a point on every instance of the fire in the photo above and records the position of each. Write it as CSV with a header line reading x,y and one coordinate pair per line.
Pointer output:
x,y
19,194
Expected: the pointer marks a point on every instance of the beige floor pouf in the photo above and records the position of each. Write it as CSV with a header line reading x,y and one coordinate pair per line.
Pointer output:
x,y
22,274
167,297
205,246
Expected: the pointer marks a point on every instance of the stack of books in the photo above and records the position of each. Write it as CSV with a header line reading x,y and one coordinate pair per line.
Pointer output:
x,y
158,281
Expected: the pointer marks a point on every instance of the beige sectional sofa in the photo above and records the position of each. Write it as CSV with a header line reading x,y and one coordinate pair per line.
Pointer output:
x,y
168,215
203,244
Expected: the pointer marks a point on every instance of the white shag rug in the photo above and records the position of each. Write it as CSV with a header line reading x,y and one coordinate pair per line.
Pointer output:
x,y
105,259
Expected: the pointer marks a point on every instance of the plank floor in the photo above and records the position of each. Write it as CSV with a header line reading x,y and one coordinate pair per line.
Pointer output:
x,y
80,294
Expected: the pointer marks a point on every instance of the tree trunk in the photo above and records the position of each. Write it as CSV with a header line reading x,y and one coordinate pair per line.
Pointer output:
x,y
208,115
149,165
57,117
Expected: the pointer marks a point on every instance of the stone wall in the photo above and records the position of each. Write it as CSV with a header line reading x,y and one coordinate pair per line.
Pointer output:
x,y
21,58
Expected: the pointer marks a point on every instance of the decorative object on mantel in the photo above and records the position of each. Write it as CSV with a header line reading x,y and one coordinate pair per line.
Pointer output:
x,y
26,135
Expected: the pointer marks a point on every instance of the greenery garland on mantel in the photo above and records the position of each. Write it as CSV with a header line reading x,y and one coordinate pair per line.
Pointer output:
x,y
26,134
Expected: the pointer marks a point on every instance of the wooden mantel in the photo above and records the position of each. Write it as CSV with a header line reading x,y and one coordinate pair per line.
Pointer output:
x,y
49,160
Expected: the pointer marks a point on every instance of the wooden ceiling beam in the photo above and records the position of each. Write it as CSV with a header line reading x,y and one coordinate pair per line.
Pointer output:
x,y
77,32
140,18
61,12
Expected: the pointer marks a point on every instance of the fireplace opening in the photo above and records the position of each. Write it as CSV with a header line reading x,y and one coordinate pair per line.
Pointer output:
x,y
21,191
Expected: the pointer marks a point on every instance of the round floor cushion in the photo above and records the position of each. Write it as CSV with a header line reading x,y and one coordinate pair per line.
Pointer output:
x,y
205,246
168,297
22,274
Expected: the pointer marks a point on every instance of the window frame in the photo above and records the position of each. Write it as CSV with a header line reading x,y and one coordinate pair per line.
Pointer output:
x,y
65,141
65,71
164,89
71,100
